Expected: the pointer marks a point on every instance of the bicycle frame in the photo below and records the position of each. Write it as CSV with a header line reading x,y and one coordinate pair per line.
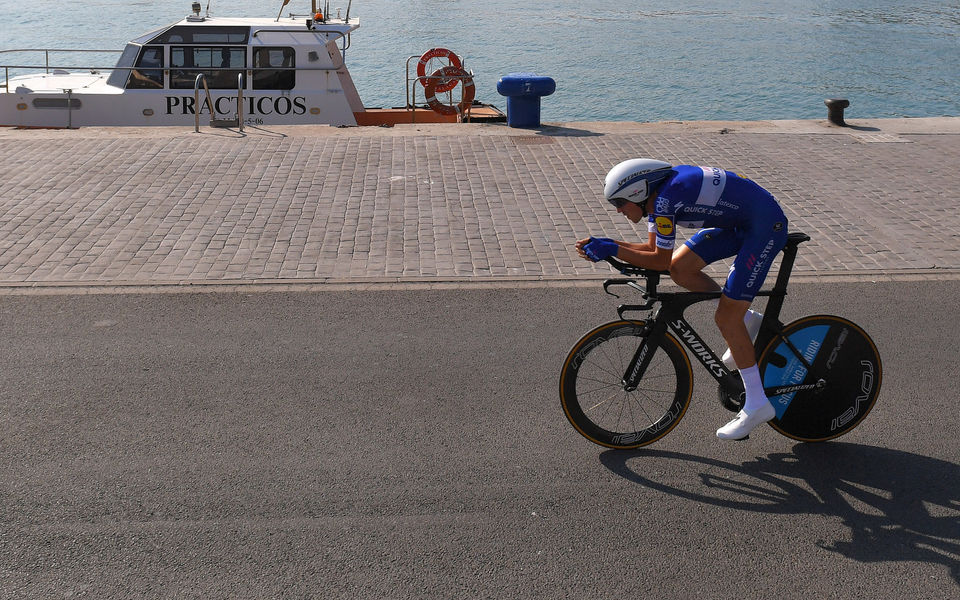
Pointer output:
x,y
669,314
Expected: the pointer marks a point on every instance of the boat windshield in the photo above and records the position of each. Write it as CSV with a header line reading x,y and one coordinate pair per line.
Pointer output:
x,y
119,76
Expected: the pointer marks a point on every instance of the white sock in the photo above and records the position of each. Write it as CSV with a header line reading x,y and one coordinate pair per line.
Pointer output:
x,y
756,397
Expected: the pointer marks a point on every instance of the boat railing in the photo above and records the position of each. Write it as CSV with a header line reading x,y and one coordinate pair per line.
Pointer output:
x,y
342,38
46,66
240,101
411,88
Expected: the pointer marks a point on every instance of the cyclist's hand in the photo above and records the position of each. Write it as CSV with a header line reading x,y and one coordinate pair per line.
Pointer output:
x,y
579,246
597,249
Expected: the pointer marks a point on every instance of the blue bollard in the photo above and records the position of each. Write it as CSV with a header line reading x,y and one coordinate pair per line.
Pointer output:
x,y
523,92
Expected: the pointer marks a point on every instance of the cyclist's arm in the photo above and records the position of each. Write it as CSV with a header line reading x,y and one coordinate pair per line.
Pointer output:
x,y
642,255
646,246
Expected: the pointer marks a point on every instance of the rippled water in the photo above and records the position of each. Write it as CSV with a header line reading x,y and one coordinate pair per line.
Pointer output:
x,y
612,60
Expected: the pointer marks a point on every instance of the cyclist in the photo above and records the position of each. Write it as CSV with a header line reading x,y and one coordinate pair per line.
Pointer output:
x,y
736,217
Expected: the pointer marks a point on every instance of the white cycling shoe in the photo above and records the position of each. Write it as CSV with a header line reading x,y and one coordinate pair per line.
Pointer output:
x,y
752,319
741,426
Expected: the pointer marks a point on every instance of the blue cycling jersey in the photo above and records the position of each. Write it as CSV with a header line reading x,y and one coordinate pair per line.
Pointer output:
x,y
736,217
701,197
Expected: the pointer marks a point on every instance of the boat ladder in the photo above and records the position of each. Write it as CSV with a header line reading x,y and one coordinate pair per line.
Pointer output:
x,y
237,121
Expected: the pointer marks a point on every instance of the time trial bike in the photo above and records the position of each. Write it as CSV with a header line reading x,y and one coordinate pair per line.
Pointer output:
x,y
627,383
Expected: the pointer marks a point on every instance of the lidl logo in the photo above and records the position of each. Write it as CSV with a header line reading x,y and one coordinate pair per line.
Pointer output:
x,y
664,225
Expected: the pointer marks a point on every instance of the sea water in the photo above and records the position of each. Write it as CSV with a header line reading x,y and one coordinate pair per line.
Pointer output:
x,y
611,59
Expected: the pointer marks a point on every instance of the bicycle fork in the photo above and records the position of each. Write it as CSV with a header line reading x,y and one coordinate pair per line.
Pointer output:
x,y
651,334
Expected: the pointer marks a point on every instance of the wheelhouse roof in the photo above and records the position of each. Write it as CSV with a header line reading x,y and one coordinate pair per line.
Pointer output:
x,y
254,23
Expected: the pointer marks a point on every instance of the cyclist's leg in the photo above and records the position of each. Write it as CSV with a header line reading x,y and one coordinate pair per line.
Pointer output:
x,y
729,317
760,243
760,246
686,270
703,248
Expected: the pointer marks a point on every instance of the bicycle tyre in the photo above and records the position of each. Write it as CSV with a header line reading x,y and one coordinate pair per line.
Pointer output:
x,y
592,393
840,353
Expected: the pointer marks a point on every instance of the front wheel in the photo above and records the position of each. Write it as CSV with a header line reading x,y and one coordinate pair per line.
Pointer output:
x,y
844,365
594,397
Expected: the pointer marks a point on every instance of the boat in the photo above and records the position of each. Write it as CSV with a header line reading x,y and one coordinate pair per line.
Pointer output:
x,y
234,71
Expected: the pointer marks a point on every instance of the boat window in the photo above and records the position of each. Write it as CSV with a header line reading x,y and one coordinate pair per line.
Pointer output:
x,y
118,78
275,78
220,65
147,77
192,34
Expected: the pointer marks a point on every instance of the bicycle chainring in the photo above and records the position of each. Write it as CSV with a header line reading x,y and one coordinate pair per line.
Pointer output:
x,y
732,400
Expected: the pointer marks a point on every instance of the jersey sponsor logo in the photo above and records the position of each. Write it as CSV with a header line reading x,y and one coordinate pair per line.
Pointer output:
x,y
664,225
714,180
661,206
703,210
757,264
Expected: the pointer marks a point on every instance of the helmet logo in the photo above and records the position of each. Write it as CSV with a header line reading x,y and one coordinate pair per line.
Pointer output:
x,y
635,175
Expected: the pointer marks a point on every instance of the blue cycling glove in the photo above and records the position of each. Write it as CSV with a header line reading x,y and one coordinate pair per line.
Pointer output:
x,y
598,249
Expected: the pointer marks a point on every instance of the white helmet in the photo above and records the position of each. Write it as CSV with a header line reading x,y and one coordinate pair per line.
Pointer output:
x,y
633,179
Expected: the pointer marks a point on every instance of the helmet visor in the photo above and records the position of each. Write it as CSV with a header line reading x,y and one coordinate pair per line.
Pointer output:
x,y
618,202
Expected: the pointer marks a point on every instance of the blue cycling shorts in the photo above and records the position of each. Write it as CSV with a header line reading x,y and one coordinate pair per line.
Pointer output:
x,y
755,246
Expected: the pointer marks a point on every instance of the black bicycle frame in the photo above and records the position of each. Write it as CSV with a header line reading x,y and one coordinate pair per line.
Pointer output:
x,y
670,315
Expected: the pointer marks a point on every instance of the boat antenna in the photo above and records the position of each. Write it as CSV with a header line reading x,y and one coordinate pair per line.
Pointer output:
x,y
208,8
346,19
285,2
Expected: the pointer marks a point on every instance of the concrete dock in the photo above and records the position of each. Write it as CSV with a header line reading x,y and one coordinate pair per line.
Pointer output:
x,y
408,443
157,209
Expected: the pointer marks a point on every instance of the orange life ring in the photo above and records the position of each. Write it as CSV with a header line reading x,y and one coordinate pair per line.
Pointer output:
x,y
458,75
444,86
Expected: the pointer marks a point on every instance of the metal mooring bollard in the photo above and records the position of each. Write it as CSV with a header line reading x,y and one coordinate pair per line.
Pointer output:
x,y
835,108
523,92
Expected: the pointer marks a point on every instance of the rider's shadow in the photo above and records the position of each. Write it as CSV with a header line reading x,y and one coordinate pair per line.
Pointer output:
x,y
898,506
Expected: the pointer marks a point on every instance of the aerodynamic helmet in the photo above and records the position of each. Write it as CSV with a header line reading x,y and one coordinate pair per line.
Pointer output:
x,y
632,180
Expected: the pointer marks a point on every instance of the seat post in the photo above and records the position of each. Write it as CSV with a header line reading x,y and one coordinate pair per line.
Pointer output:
x,y
783,276
786,266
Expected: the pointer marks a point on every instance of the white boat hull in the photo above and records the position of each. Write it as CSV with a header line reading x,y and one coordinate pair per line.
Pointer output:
x,y
87,108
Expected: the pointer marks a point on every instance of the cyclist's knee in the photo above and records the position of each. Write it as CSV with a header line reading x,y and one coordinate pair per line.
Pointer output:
x,y
686,267
730,313
680,277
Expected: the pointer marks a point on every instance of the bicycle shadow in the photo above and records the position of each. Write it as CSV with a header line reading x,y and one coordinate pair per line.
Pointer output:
x,y
898,506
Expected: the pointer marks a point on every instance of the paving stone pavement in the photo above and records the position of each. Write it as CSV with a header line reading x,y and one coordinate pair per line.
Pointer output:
x,y
169,207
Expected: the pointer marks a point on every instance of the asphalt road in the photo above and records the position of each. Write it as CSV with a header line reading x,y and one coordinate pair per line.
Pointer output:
x,y
410,444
